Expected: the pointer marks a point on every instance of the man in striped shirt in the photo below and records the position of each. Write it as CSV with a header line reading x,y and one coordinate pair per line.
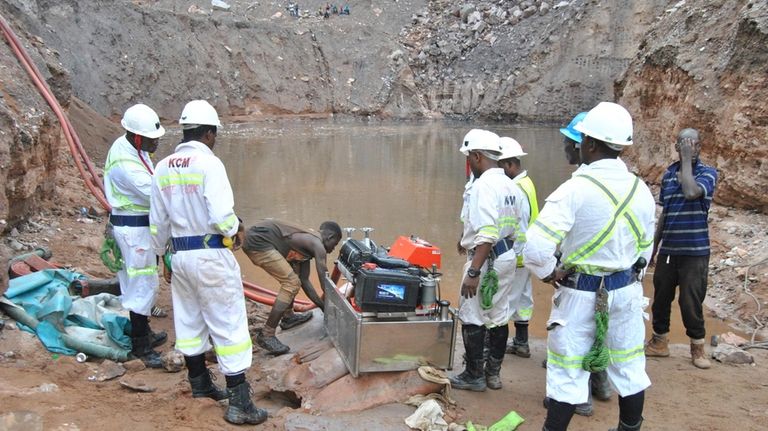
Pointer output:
x,y
682,242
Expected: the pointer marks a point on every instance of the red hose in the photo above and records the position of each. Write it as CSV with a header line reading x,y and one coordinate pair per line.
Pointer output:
x,y
75,146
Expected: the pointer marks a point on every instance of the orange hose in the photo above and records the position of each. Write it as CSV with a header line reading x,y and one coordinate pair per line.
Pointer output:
x,y
270,300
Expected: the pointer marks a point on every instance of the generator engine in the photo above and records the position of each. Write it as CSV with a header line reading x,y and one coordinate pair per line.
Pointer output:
x,y
389,316
398,281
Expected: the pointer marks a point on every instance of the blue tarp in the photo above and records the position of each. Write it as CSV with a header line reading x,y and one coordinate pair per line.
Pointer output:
x,y
44,295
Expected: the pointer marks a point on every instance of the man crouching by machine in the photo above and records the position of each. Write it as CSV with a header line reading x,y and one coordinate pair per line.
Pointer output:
x,y
284,251
491,214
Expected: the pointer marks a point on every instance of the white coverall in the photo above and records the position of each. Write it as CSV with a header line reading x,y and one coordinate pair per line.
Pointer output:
x,y
191,196
521,298
491,211
573,217
127,183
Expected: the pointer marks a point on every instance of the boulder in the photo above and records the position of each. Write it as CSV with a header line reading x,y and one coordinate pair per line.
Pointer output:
x,y
465,11
729,354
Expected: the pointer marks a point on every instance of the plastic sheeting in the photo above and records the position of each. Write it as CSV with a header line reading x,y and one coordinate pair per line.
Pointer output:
x,y
44,295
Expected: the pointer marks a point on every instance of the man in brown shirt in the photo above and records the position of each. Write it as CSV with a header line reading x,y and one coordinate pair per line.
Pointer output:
x,y
284,250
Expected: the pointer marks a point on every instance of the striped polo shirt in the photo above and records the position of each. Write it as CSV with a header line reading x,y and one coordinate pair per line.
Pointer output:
x,y
686,232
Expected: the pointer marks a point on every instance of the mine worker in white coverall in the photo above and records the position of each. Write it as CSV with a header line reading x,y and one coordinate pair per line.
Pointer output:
x,y
603,221
491,213
521,298
127,183
192,215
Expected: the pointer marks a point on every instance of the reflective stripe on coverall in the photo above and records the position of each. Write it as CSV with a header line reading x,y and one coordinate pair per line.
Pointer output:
x,y
491,210
191,196
127,183
521,298
599,236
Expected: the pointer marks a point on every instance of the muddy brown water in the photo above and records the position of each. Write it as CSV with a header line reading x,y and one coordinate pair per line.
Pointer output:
x,y
398,178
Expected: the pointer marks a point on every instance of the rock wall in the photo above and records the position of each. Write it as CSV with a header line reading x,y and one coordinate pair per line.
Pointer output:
x,y
527,60
251,60
31,143
705,65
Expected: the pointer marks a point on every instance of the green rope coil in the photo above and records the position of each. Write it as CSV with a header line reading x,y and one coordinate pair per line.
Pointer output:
x,y
489,285
111,255
597,358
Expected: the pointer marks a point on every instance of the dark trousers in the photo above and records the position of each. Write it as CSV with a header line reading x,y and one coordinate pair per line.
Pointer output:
x,y
690,273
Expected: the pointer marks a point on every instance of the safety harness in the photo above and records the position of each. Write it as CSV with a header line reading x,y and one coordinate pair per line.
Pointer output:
x,y
598,357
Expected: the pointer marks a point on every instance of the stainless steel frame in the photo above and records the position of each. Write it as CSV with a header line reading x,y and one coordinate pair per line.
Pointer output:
x,y
388,341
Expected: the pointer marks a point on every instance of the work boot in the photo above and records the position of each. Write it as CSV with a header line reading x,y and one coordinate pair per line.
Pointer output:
x,y
472,378
241,409
657,346
624,427
492,373
271,344
698,356
519,349
584,409
203,387
157,338
143,350
294,319
601,388
497,344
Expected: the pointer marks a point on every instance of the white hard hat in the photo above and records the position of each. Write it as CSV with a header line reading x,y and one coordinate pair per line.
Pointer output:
x,y
480,140
199,113
143,121
608,122
510,148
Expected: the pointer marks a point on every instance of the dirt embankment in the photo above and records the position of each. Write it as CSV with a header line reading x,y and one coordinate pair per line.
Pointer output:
x,y
705,65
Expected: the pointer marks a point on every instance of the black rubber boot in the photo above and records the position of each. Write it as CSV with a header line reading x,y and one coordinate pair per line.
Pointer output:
x,y
294,319
143,350
497,344
583,409
241,409
473,376
493,373
266,336
624,427
558,415
203,387
157,338
601,388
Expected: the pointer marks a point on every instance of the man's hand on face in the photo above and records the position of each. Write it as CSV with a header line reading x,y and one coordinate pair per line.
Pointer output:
x,y
685,147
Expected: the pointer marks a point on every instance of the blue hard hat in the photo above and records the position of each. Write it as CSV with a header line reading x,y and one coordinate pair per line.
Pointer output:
x,y
570,132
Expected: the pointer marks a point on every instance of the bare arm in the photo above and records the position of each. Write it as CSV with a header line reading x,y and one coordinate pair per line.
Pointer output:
x,y
306,285
657,237
469,284
691,189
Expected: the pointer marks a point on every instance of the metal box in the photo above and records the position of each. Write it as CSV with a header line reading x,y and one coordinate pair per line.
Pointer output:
x,y
374,342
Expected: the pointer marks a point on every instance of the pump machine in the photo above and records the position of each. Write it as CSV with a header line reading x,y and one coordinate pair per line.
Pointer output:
x,y
390,317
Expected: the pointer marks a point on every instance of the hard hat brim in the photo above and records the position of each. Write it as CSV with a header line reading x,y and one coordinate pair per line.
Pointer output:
x,y
156,134
570,135
579,127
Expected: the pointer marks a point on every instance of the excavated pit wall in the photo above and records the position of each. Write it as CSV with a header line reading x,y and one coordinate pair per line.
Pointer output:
x,y
705,66
31,142
700,64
